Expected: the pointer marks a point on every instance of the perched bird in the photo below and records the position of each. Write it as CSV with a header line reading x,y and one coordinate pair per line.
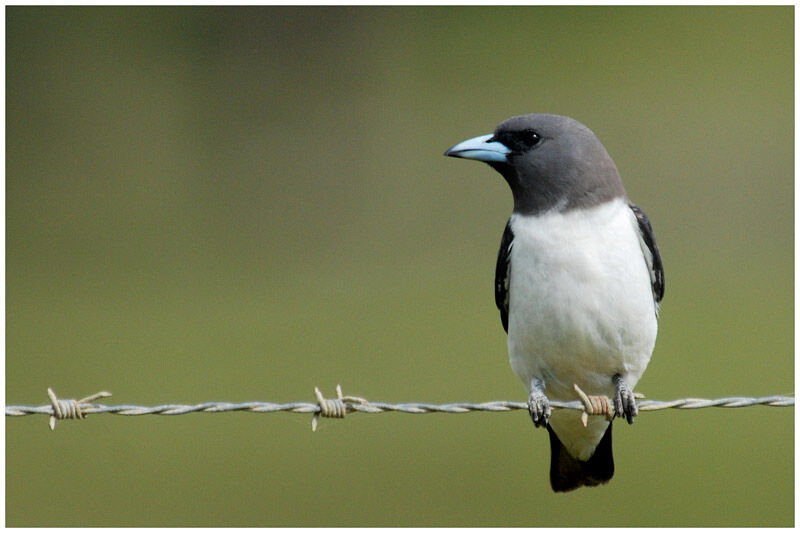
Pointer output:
x,y
578,283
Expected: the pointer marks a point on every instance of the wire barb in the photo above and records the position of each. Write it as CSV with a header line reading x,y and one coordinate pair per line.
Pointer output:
x,y
334,408
594,405
63,409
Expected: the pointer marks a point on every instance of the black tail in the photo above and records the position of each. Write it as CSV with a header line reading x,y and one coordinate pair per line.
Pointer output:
x,y
568,473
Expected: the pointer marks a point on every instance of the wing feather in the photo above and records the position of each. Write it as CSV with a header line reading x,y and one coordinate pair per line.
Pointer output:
x,y
502,274
651,254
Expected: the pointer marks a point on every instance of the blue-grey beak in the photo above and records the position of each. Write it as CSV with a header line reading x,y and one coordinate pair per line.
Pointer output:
x,y
481,149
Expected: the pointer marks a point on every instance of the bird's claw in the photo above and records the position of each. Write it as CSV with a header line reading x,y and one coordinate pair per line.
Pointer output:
x,y
624,400
539,408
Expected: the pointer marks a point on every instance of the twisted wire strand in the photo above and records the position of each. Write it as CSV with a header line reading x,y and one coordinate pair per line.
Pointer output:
x,y
341,405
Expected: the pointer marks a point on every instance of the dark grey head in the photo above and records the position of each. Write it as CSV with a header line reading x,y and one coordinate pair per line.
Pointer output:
x,y
549,161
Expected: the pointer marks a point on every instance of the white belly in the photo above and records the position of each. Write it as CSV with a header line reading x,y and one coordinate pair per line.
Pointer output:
x,y
581,308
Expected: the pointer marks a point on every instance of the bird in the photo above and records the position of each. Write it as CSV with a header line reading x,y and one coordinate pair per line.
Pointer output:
x,y
578,283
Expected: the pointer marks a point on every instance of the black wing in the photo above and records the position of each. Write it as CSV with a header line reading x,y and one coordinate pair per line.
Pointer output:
x,y
651,254
502,274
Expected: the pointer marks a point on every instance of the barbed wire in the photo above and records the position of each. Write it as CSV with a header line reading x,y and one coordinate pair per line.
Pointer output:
x,y
341,405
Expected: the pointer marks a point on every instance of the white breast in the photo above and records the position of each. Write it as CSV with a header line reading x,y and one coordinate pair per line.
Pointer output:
x,y
581,305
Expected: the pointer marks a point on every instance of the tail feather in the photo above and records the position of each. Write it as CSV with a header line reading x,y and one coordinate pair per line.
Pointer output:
x,y
568,473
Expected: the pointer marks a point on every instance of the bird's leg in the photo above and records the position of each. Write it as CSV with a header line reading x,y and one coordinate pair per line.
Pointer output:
x,y
538,404
624,400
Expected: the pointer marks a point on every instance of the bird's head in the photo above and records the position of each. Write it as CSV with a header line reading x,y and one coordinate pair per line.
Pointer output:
x,y
549,161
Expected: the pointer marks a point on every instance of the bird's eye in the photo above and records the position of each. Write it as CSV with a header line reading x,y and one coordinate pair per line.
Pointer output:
x,y
517,141
529,138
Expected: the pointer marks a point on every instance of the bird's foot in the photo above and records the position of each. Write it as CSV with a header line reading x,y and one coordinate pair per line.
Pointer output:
x,y
539,408
624,399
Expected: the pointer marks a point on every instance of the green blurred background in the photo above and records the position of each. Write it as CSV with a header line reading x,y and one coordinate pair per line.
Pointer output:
x,y
240,204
